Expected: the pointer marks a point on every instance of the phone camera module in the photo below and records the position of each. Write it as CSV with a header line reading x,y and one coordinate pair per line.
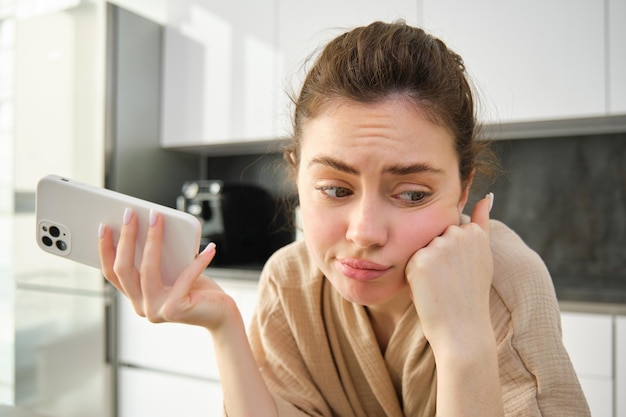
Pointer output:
x,y
54,238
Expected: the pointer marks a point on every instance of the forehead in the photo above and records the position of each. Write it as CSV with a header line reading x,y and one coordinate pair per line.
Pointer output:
x,y
395,128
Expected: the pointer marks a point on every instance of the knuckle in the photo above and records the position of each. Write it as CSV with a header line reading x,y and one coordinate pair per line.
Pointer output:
x,y
153,315
120,269
145,269
108,272
139,310
169,313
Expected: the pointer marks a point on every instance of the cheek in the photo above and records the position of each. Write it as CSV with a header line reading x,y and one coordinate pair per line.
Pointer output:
x,y
321,226
417,230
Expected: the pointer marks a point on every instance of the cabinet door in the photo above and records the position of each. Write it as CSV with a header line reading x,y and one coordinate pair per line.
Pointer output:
x,y
170,369
244,293
220,80
144,392
168,347
588,339
305,26
531,60
617,56
172,347
620,366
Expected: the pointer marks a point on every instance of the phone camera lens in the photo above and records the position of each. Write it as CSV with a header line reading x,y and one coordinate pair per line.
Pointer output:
x,y
54,231
61,245
46,241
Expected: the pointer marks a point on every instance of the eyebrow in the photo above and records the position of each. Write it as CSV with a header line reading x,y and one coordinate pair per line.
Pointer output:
x,y
396,169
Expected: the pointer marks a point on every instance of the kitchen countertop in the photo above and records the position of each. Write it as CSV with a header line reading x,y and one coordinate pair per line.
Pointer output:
x,y
243,274
10,411
618,309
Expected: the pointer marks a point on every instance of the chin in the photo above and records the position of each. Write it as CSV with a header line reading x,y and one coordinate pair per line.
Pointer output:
x,y
368,294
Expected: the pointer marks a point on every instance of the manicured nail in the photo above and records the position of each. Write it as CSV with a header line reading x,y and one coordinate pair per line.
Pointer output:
x,y
209,247
101,228
127,215
153,217
491,198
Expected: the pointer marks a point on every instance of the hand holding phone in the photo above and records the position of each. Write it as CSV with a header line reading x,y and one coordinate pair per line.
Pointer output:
x,y
69,214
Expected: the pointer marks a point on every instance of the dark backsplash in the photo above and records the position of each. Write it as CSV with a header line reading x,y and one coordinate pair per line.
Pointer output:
x,y
566,197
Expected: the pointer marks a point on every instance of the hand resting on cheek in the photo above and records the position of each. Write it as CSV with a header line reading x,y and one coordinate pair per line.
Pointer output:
x,y
450,281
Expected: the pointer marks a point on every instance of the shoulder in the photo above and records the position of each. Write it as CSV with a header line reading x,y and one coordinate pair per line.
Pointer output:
x,y
511,255
535,370
520,277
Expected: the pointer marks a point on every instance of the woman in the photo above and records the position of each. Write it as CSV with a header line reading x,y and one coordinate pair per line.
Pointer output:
x,y
395,303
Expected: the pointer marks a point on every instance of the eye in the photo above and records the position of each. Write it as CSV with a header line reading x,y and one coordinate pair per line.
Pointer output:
x,y
335,192
412,196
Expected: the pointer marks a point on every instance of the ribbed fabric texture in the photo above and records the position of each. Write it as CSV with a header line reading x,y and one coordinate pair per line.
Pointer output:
x,y
319,355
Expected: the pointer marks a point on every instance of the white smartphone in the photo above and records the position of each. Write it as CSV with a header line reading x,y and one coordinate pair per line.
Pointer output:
x,y
69,214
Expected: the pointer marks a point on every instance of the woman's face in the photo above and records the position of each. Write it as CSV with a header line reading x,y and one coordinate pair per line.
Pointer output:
x,y
376,183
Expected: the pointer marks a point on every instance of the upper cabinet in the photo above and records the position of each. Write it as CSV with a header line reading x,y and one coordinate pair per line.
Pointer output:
x,y
229,67
305,26
617,56
531,60
220,76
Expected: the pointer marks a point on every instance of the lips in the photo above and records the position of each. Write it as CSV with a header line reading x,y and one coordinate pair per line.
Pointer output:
x,y
361,269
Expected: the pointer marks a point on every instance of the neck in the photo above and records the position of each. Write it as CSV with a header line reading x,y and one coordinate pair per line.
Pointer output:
x,y
386,316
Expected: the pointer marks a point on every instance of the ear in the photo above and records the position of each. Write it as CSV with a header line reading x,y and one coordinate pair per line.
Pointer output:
x,y
292,159
465,192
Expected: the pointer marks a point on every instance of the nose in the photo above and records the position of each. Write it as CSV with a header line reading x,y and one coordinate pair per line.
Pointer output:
x,y
368,224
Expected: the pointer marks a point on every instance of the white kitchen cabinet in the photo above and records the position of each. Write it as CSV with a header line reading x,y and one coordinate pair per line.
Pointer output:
x,y
145,392
305,26
599,394
173,363
617,56
620,366
168,347
588,339
220,77
532,60
172,347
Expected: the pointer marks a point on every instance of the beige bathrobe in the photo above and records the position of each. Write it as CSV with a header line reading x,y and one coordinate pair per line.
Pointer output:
x,y
319,356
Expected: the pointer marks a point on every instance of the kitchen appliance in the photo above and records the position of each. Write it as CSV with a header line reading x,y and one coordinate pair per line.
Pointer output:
x,y
241,218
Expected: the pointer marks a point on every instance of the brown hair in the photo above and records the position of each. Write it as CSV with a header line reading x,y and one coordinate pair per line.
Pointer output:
x,y
374,62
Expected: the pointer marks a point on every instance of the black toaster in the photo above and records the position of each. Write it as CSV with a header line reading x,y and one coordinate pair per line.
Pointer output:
x,y
242,219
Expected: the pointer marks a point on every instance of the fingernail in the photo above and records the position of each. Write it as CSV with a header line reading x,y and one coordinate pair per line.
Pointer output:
x,y
153,217
101,231
209,247
127,215
491,198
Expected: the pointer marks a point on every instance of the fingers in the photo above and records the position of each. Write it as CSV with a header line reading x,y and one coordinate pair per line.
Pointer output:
x,y
124,265
125,259
480,215
151,283
143,284
185,281
106,249
155,295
